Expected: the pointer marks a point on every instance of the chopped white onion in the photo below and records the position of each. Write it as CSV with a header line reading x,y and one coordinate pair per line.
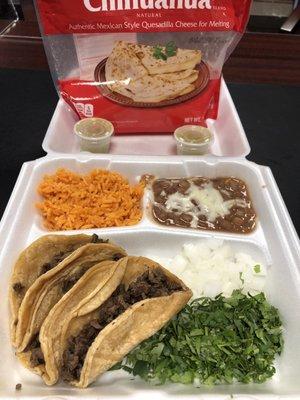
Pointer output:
x,y
211,267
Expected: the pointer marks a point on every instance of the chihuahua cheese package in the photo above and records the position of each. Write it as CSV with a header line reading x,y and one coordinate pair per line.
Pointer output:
x,y
148,66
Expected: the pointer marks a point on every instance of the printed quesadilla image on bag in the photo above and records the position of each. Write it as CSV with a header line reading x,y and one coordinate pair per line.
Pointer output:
x,y
41,256
50,287
151,74
98,332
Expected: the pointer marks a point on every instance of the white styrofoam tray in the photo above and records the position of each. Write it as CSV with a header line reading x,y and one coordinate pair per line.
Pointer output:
x,y
274,243
230,137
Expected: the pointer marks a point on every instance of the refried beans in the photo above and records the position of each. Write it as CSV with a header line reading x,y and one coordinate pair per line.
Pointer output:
x,y
221,204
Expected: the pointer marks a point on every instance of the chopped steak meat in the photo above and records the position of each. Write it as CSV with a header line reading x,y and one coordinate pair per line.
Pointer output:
x,y
46,267
118,256
19,386
96,239
57,258
36,356
70,281
18,287
153,283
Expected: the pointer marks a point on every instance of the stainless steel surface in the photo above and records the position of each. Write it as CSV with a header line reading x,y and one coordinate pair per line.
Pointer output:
x,y
272,8
291,21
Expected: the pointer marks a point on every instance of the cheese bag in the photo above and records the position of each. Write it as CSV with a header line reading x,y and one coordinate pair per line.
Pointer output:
x,y
148,66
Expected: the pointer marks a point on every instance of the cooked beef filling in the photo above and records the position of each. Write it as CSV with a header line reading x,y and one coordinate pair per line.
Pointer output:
x,y
57,258
96,239
70,281
152,283
37,356
18,287
118,256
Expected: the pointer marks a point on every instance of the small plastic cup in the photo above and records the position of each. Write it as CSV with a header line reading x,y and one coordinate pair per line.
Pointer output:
x,y
94,134
193,140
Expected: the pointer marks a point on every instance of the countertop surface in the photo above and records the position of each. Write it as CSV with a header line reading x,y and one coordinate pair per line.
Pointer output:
x,y
270,115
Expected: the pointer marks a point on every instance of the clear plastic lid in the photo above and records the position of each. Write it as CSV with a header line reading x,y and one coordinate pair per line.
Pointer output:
x,y
193,140
94,134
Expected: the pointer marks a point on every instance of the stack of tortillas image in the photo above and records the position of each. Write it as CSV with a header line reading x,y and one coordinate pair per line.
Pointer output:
x,y
151,74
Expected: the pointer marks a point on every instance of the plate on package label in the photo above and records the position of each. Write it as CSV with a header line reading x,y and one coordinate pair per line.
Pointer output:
x,y
200,84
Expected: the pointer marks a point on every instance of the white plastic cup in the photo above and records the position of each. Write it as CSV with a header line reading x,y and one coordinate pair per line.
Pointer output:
x,y
94,134
185,147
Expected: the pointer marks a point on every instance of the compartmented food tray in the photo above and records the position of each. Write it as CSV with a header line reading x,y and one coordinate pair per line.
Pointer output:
x,y
230,137
159,229
274,243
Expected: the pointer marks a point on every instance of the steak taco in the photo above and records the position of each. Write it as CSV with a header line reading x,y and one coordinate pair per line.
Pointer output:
x,y
98,283
100,330
104,276
38,258
50,287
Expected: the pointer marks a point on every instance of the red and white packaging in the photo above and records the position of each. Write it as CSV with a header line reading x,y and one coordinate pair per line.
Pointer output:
x,y
148,66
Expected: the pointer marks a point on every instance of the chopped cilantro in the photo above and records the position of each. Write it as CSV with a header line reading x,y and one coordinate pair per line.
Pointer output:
x,y
212,341
257,268
163,54
241,278
171,49
159,54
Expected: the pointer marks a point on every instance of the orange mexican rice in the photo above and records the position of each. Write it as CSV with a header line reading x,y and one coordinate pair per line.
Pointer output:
x,y
96,200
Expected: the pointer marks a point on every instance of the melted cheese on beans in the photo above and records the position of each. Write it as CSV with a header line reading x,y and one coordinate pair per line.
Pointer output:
x,y
205,200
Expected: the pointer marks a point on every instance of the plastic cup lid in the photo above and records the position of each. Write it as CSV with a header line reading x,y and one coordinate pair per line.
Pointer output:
x,y
193,135
95,129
